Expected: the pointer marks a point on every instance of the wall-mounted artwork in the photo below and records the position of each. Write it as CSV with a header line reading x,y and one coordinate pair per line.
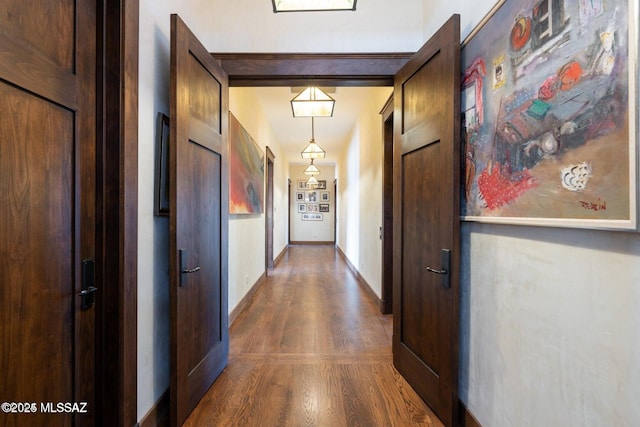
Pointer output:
x,y
246,171
312,196
312,217
162,167
548,114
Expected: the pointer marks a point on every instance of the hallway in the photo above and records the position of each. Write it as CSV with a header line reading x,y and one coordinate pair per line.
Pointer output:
x,y
311,349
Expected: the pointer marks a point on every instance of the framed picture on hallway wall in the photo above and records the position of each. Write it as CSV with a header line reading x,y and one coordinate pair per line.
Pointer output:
x,y
246,171
162,166
312,217
548,109
302,207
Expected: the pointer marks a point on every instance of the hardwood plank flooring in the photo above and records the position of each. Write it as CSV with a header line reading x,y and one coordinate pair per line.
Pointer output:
x,y
311,349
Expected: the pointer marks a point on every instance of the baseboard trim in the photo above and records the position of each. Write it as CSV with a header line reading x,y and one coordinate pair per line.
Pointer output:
x,y
361,280
246,300
466,418
311,243
158,415
280,256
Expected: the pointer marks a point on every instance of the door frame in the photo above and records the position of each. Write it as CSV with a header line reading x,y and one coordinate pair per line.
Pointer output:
x,y
386,234
117,209
268,211
296,69
118,176
288,211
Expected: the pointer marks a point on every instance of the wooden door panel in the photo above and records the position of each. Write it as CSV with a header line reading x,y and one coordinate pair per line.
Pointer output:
x,y
421,321
36,243
202,289
422,99
33,23
47,206
204,95
426,212
198,218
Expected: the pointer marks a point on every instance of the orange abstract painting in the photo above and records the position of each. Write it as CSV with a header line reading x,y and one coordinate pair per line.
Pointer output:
x,y
246,171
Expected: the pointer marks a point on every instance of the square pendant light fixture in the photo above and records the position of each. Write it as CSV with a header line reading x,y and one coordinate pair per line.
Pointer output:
x,y
312,150
312,102
312,182
311,170
312,5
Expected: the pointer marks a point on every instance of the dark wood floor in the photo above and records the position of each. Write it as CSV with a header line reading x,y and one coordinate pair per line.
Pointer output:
x,y
311,349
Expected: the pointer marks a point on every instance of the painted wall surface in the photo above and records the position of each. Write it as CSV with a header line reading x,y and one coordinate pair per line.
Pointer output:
x,y
247,232
360,188
348,199
550,328
312,231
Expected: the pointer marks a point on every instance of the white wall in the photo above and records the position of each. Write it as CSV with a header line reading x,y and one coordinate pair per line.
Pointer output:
x,y
360,192
550,329
312,231
247,232
550,326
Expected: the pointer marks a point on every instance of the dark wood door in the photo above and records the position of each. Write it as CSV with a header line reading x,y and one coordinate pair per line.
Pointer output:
x,y
268,211
47,210
198,220
386,233
426,220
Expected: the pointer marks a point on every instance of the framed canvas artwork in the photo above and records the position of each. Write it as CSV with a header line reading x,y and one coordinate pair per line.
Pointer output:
x,y
246,171
549,114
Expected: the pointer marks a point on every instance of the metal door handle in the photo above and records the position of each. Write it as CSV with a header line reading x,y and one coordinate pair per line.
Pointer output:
x,y
183,271
85,292
433,270
87,298
445,263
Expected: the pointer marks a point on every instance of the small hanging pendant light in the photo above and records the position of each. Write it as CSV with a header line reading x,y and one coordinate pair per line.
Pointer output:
x,y
312,169
313,150
312,182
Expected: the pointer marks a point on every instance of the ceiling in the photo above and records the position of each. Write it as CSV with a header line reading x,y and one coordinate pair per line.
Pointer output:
x,y
331,133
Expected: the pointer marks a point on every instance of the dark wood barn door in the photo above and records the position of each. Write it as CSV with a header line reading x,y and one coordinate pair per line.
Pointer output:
x,y
426,220
47,211
198,220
